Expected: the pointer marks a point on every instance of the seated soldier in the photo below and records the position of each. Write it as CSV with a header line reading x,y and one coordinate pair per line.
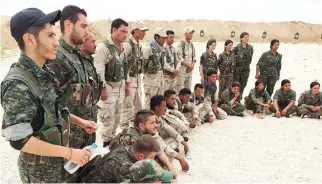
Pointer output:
x,y
284,101
310,102
188,109
230,101
258,101
114,167
172,116
149,171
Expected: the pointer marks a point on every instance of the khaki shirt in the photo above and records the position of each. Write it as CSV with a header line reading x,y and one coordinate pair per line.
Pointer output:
x,y
173,55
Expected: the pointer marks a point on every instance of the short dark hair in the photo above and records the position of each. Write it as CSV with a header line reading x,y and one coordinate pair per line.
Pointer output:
x,y
34,30
273,42
258,82
70,13
146,144
211,72
168,93
142,116
169,32
285,81
156,101
117,23
314,84
235,84
185,91
198,85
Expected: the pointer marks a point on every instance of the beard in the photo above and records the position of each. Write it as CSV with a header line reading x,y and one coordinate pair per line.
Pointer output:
x,y
42,50
75,37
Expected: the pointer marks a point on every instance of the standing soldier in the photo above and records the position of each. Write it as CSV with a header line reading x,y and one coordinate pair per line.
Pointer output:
x,y
269,66
226,66
34,123
70,66
208,60
111,65
133,52
243,53
187,57
154,57
170,80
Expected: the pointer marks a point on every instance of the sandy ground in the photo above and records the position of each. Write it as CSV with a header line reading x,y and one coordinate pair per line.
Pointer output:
x,y
243,150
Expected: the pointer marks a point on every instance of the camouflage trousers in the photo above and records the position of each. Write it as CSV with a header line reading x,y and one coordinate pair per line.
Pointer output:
x,y
171,154
44,173
242,77
133,102
239,108
184,80
225,82
176,123
170,83
304,111
269,83
205,110
153,85
110,111
249,105
290,111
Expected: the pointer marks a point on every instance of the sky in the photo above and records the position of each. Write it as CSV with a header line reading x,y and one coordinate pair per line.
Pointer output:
x,y
237,10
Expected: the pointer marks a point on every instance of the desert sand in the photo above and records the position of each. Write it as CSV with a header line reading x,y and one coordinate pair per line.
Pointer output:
x,y
242,150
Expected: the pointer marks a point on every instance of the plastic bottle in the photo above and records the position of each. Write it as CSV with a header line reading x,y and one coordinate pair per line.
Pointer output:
x,y
188,154
72,167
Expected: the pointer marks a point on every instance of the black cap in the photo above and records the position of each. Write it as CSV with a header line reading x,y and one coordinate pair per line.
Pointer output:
x,y
26,18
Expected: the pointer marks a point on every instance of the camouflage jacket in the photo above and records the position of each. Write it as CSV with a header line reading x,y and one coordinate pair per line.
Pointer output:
x,y
307,99
270,64
189,110
166,131
211,91
208,62
255,95
284,98
227,96
125,138
226,63
243,56
115,167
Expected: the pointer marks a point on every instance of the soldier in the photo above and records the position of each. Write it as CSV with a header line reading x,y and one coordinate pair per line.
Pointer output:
x,y
172,116
208,60
133,51
155,61
187,108
269,66
284,101
187,57
170,80
70,66
166,132
34,123
144,123
230,101
258,101
243,56
310,102
149,171
226,66
115,166
111,65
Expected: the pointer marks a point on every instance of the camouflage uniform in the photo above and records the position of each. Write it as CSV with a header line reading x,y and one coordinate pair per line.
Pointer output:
x,y
189,110
269,66
71,66
133,102
111,65
186,52
147,171
29,112
253,99
168,134
226,66
225,103
283,99
243,59
307,99
115,166
176,120
208,62
173,61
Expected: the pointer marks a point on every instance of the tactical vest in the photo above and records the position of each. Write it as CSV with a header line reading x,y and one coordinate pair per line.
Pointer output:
x,y
56,127
155,62
183,45
115,70
84,94
172,63
135,61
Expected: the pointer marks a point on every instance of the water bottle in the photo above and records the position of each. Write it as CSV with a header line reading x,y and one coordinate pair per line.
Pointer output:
x,y
72,167
188,155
